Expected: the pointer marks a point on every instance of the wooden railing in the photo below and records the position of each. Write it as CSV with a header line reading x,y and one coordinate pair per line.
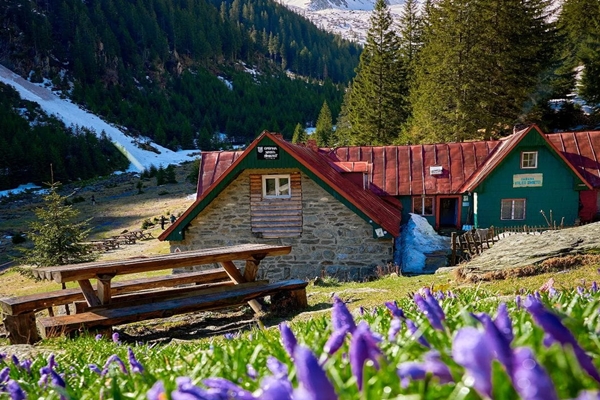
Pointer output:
x,y
471,243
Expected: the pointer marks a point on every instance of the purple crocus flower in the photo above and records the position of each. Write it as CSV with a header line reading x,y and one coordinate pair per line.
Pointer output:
x,y
98,336
580,290
94,368
341,318
594,287
15,391
287,338
471,350
186,390
434,305
277,368
114,359
57,380
433,365
157,391
530,380
361,310
395,310
226,389
314,384
518,302
343,323
588,395
251,372
414,331
431,313
504,323
136,367
363,347
275,389
439,295
498,343
229,336
557,332
395,326
15,360
115,337
4,373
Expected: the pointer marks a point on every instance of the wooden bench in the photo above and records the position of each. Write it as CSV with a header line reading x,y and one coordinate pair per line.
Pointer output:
x,y
121,302
19,312
167,306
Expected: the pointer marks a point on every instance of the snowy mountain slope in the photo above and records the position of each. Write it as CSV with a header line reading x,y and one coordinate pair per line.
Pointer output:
x,y
348,18
71,114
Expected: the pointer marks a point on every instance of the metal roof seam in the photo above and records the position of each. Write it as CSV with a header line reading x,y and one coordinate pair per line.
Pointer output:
x,y
593,152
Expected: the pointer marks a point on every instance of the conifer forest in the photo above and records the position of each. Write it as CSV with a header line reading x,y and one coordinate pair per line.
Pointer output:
x,y
189,73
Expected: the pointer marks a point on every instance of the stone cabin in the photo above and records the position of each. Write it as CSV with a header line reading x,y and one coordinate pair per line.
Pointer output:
x,y
275,192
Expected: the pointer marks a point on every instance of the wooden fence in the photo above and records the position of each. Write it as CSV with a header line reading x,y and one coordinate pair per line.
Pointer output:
x,y
471,243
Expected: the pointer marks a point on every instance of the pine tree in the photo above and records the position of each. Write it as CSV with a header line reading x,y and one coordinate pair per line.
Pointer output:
x,y
57,238
376,107
299,135
580,22
324,129
410,33
480,67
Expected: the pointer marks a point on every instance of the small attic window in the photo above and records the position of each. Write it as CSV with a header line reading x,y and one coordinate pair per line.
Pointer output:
x,y
529,159
276,187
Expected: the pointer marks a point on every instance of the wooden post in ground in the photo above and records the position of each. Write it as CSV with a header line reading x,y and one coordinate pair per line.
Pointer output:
x,y
21,328
453,258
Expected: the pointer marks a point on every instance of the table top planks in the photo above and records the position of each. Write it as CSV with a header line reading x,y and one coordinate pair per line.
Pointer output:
x,y
92,270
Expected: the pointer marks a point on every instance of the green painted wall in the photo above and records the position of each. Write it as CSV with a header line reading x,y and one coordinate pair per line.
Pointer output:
x,y
466,208
557,193
407,209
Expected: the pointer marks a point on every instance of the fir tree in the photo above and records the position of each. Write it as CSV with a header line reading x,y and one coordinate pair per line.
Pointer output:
x,y
479,69
410,32
324,129
376,108
299,135
57,238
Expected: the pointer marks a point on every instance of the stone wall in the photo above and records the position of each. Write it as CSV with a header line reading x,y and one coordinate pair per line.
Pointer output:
x,y
334,240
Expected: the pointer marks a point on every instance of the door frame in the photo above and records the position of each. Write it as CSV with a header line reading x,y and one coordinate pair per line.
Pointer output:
x,y
458,210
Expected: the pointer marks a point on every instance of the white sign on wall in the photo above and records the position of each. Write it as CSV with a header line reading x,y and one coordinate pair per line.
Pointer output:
x,y
528,180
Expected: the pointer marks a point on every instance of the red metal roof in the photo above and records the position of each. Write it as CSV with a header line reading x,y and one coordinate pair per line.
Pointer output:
x,y
582,150
405,170
212,165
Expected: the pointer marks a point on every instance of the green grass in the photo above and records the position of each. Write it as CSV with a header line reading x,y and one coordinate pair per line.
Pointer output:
x,y
229,358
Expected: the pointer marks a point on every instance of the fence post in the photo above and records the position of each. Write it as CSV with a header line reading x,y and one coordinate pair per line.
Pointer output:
x,y
453,258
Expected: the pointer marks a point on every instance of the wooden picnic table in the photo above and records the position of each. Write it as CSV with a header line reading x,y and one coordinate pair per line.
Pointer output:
x,y
146,298
105,271
141,234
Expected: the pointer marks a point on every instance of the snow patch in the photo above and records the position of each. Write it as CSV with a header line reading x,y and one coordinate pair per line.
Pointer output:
x,y
417,240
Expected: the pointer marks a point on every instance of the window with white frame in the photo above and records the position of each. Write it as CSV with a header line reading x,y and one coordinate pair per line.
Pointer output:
x,y
423,205
276,187
513,209
529,159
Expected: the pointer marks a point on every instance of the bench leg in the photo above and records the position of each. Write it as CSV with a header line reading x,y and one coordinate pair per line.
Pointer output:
x,y
289,300
21,328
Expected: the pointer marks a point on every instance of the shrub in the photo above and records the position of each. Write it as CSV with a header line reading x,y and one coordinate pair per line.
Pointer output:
x,y
18,238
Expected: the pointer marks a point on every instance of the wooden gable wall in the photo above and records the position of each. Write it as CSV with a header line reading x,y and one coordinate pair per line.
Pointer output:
x,y
276,218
